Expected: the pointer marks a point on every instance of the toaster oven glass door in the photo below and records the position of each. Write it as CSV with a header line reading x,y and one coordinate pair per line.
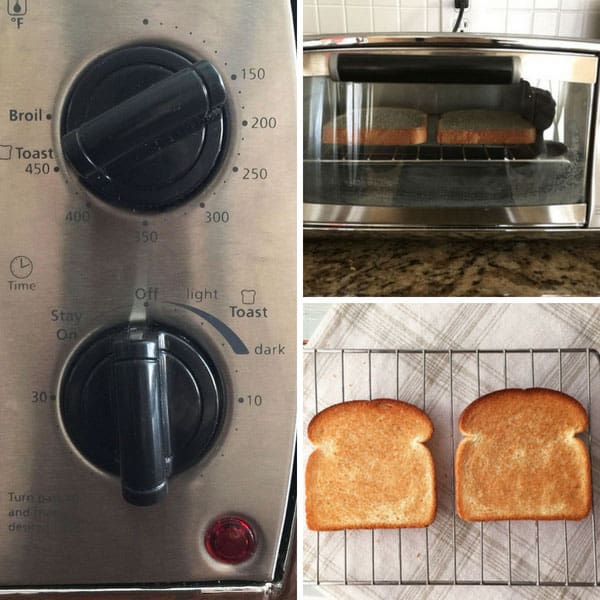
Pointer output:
x,y
482,141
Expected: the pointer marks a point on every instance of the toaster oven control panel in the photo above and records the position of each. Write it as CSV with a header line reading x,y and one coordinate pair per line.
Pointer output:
x,y
149,295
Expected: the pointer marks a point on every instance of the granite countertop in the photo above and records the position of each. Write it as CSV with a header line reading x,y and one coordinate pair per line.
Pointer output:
x,y
447,267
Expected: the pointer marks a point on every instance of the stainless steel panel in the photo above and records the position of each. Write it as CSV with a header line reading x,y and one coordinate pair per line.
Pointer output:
x,y
339,217
594,171
561,44
94,266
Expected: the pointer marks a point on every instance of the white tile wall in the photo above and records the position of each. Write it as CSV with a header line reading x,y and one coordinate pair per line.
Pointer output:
x,y
570,18
386,17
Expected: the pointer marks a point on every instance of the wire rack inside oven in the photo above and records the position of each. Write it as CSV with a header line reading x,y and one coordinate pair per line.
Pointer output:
x,y
553,152
451,551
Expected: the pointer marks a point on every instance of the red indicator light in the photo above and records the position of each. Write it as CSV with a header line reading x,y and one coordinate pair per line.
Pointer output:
x,y
231,540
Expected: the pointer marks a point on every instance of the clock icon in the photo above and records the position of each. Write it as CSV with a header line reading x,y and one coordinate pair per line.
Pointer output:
x,y
21,267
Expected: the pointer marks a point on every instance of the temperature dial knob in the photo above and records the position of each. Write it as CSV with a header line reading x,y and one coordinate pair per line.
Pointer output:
x,y
144,127
143,403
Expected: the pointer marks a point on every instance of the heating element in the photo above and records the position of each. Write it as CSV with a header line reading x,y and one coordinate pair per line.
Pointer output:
x,y
450,551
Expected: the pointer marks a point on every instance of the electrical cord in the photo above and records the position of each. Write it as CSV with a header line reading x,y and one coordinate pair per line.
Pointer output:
x,y
459,18
461,5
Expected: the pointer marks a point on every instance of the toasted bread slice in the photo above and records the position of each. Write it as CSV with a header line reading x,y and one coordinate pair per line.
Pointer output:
x,y
520,458
484,127
381,126
370,468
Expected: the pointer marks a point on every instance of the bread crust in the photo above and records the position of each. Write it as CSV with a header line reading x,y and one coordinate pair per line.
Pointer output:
x,y
370,468
383,126
484,127
520,458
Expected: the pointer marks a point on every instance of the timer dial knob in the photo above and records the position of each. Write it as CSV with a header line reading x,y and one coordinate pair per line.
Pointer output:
x,y
143,403
144,127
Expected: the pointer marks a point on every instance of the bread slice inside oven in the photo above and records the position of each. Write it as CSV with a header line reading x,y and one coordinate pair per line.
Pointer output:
x,y
380,126
484,127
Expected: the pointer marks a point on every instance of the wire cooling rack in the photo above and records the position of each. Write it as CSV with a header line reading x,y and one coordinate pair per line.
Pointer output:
x,y
452,551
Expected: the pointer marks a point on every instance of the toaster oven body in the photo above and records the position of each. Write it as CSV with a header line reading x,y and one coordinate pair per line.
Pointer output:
x,y
356,88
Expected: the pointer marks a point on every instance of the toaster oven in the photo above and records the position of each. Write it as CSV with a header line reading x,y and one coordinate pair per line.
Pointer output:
x,y
149,261
450,132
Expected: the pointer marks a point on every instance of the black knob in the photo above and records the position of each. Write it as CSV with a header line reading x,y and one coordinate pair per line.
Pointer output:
x,y
143,403
145,127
